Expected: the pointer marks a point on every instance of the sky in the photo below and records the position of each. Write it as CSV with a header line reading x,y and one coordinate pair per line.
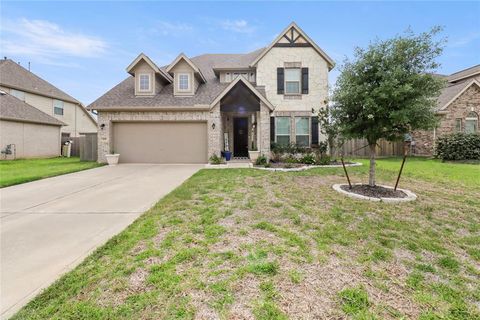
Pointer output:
x,y
84,47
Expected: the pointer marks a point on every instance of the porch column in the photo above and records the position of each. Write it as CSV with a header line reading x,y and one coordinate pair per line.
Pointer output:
x,y
263,131
214,129
105,134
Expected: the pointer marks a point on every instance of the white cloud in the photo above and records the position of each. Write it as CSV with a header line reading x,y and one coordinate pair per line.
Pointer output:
x,y
465,40
170,28
46,40
240,26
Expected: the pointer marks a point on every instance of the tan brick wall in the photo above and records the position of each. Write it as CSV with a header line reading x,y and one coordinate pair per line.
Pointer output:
x,y
467,102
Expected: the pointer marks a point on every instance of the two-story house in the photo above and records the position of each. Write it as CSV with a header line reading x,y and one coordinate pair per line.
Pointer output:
x,y
36,92
197,107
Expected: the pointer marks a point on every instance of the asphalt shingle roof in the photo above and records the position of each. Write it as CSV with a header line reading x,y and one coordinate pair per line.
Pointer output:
x,y
13,75
123,94
466,73
449,92
12,108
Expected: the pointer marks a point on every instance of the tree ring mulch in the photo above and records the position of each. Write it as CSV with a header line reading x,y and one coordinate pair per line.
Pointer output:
x,y
377,193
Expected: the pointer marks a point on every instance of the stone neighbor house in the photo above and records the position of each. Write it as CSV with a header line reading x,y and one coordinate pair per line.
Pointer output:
x,y
458,109
38,93
197,107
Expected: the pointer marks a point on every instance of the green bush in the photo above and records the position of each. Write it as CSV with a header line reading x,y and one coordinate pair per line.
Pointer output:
x,y
308,159
261,161
214,159
458,146
323,160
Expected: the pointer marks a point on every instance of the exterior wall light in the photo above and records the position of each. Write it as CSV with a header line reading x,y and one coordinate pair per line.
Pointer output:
x,y
213,126
102,126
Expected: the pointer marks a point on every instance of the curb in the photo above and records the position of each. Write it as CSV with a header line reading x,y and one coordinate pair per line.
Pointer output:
x,y
356,164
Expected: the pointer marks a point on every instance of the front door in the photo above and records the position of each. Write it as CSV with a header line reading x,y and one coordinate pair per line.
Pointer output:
x,y
240,137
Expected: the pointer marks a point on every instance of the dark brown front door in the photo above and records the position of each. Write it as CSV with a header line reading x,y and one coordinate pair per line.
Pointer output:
x,y
240,137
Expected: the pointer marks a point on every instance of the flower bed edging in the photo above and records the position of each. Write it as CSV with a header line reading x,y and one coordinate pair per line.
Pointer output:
x,y
355,164
410,195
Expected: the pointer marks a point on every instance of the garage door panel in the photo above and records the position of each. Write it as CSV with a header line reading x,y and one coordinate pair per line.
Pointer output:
x,y
160,142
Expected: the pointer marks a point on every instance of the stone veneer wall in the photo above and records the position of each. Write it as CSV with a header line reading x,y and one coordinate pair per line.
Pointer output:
x,y
105,135
467,102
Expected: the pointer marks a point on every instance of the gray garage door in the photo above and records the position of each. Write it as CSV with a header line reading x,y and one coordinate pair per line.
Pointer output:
x,y
160,142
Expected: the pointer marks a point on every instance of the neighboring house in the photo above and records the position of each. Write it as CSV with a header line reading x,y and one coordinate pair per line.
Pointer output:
x,y
458,109
193,108
26,86
29,132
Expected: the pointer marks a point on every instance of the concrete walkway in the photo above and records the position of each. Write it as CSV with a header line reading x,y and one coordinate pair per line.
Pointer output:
x,y
49,226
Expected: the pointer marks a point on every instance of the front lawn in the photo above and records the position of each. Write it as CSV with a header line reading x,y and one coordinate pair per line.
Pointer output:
x,y
21,171
251,244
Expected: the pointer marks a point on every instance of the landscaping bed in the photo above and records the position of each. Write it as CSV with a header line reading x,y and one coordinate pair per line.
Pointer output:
x,y
375,191
251,244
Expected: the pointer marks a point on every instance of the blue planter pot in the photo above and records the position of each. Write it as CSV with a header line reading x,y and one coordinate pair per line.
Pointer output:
x,y
227,155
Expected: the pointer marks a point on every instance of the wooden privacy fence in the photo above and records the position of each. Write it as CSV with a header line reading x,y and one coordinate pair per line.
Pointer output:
x,y
359,148
84,146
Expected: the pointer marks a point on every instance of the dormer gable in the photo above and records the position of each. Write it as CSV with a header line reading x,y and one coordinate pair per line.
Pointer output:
x,y
293,36
149,78
187,76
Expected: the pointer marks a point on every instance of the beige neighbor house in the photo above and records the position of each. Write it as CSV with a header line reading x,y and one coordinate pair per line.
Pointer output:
x,y
26,86
25,131
458,109
198,107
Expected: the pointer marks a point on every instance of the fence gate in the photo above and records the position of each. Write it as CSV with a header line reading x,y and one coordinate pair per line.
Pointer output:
x,y
88,147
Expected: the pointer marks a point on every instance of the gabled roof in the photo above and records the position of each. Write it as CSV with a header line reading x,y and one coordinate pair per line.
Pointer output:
x,y
466,73
182,56
155,68
12,75
452,92
232,84
329,60
14,109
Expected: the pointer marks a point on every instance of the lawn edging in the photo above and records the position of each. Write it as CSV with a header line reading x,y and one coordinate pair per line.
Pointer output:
x,y
306,167
410,195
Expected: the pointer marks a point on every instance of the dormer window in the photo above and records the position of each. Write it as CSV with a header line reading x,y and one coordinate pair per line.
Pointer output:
x,y
144,82
184,82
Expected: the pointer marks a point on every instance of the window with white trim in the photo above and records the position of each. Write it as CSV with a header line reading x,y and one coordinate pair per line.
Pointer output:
x,y
144,82
458,125
293,80
18,94
302,131
471,123
58,107
183,82
282,130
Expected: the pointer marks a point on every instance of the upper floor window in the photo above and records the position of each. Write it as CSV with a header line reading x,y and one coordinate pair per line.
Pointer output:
x,y
282,130
302,131
244,74
144,82
18,94
458,125
58,107
184,82
471,123
292,80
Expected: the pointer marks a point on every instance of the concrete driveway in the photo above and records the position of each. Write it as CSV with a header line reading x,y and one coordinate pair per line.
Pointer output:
x,y
49,226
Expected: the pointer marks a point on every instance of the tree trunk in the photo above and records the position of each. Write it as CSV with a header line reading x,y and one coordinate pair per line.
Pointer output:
x,y
371,176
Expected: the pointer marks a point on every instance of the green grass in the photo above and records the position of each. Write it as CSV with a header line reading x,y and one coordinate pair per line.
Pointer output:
x,y
20,171
244,243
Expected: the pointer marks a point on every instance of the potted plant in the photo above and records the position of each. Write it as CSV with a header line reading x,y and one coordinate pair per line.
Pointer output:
x,y
253,153
112,158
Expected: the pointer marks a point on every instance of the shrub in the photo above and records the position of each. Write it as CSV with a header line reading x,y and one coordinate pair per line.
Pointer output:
x,y
214,159
308,159
459,146
323,160
261,161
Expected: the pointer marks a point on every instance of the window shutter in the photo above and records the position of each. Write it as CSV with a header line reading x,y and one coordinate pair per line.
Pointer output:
x,y
280,81
304,80
272,129
314,130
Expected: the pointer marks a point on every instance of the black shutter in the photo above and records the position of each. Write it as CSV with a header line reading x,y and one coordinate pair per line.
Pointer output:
x,y
315,130
272,129
280,81
304,80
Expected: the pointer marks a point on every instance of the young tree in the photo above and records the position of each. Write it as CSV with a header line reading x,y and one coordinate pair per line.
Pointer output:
x,y
388,90
329,129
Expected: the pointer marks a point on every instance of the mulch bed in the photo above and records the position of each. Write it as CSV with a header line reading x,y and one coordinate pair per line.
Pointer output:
x,y
375,192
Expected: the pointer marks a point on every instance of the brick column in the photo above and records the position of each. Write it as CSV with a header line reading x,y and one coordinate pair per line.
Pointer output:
x,y
104,136
214,134
264,130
